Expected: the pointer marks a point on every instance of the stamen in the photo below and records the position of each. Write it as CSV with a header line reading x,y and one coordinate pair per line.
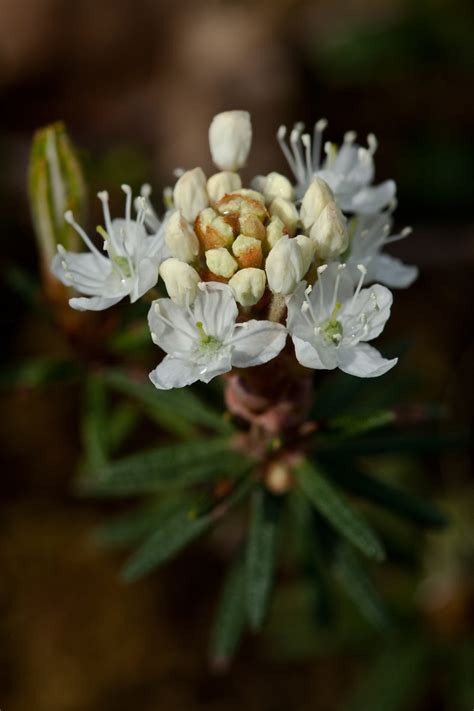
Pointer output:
x,y
306,141
104,198
320,271
145,190
69,217
281,134
295,136
340,268
403,234
318,130
350,137
128,203
372,143
363,272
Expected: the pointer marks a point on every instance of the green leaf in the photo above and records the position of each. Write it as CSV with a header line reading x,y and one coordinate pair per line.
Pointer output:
x,y
397,442
359,587
387,496
171,467
336,509
121,422
359,422
94,424
393,681
261,554
176,410
230,617
174,534
135,525
176,531
38,372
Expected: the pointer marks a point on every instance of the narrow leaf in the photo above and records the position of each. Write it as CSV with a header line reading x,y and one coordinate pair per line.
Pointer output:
x,y
337,510
169,467
230,617
387,496
133,526
359,587
261,554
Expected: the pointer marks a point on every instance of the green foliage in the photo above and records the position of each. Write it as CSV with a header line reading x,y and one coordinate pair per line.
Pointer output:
x,y
133,526
168,467
334,507
359,587
261,554
229,621
38,372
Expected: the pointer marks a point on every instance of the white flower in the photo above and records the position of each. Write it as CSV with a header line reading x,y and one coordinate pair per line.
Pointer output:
x,y
330,323
129,269
370,235
349,170
287,263
190,193
204,340
230,137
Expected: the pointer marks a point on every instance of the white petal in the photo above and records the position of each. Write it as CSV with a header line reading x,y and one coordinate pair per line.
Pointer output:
x,y
179,337
363,361
174,373
375,304
373,199
216,309
129,234
94,303
256,342
145,278
321,358
221,363
85,271
392,272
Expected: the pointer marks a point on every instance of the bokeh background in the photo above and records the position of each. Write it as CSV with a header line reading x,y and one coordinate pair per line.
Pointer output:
x,y
137,82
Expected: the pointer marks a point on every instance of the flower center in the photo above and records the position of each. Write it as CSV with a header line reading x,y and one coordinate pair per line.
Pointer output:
x,y
332,328
207,343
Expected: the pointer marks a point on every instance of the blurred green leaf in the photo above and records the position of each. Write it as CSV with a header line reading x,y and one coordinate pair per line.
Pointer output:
x,y
334,507
176,410
38,372
230,617
347,474
357,423
94,423
261,554
168,467
133,526
394,681
121,422
359,587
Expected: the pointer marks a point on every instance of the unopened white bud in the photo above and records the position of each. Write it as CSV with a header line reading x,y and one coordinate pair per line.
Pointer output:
x,y
230,137
275,231
248,286
223,183
277,185
286,211
220,262
285,266
329,232
181,281
308,249
190,194
180,238
315,199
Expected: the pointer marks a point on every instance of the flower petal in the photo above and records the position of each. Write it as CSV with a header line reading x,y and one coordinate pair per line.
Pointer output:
x,y
171,327
145,278
256,342
392,272
93,303
363,361
221,363
174,373
366,319
320,358
372,199
216,309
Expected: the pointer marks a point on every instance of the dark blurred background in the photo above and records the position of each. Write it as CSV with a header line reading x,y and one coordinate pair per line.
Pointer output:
x,y
137,83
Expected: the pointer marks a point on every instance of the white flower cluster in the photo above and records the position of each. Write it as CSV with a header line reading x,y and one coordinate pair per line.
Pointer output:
x,y
226,252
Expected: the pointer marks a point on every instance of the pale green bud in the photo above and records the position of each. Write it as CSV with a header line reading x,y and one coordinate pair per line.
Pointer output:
x,y
287,212
248,285
223,183
220,262
315,199
329,233
181,281
190,194
180,238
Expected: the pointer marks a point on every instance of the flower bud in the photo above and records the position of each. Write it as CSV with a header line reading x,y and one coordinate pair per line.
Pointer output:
x,y
190,194
276,185
287,212
241,205
213,230
308,249
230,136
252,194
220,262
248,286
315,199
247,251
275,231
285,266
180,238
56,185
329,232
251,226
221,184
181,281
